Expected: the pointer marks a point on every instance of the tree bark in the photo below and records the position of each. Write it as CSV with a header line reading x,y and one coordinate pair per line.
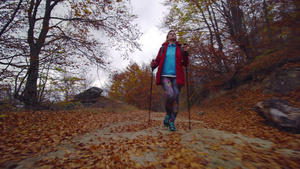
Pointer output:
x,y
266,15
237,30
30,91
30,95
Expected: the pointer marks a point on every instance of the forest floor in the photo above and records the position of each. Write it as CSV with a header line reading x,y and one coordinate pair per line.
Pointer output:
x,y
132,143
227,135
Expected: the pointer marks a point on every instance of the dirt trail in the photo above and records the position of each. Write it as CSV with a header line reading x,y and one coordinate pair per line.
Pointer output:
x,y
139,146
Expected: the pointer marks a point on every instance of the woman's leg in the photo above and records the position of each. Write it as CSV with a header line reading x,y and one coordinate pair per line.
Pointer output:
x,y
167,86
176,90
172,90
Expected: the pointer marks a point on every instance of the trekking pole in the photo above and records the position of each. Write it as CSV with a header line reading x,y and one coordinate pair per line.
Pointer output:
x,y
150,92
188,95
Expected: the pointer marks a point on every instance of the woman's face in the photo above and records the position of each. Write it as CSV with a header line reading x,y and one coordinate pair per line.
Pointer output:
x,y
172,36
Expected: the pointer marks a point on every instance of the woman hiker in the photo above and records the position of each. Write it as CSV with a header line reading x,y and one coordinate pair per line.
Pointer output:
x,y
170,61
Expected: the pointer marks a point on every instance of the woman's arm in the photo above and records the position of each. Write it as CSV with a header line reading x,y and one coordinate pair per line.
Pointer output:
x,y
155,63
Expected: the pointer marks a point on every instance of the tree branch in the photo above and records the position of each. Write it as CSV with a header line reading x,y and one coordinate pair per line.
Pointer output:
x,y
11,19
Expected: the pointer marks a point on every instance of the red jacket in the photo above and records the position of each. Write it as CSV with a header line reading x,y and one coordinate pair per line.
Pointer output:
x,y
180,62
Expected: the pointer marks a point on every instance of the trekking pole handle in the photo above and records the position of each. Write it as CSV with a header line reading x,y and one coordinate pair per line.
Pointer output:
x,y
185,51
152,67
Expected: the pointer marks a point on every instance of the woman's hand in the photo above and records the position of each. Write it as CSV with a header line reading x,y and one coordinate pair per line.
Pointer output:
x,y
185,47
152,64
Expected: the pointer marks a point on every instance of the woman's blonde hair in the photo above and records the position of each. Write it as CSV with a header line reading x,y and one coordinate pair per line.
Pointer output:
x,y
169,33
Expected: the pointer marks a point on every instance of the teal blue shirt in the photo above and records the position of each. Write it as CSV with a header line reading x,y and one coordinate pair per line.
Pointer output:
x,y
169,67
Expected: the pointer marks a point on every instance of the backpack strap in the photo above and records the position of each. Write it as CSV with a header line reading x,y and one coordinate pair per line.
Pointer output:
x,y
181,50
162,50
182,54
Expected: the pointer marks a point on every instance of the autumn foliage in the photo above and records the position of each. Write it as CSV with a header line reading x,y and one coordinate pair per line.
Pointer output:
x,y
229,39
132,86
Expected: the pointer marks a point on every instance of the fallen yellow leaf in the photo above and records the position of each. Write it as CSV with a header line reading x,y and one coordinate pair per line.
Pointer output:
x,y
196,165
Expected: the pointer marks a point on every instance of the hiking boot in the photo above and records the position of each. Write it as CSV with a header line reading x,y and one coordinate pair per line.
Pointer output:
x,y
166,121
172,126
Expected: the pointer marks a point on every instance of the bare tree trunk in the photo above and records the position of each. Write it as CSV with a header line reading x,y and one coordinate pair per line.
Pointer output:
x,y
30,94
205,20
213,32
30,91
43,85
219,55
236,28
267,20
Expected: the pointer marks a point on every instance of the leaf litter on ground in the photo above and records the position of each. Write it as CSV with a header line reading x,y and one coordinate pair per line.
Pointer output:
x,y
92,138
